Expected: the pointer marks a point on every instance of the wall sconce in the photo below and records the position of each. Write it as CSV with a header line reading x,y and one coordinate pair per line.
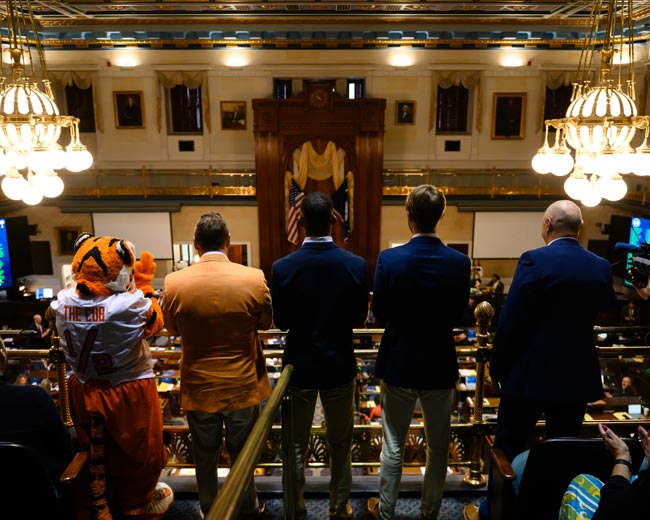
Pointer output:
x,y
401,61
125,61
236,62
513,61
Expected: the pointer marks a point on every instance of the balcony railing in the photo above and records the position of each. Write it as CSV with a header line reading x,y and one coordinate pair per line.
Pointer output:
x,y
212,182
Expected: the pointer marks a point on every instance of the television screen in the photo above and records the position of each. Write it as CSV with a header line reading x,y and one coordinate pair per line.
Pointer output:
x,y
639,234
44,293
5,264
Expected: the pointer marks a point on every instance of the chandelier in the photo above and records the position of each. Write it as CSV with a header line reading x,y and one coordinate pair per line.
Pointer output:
x,y
602,119
30,122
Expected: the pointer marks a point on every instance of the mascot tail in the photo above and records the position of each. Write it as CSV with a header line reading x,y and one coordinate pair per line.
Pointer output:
x,y
98,504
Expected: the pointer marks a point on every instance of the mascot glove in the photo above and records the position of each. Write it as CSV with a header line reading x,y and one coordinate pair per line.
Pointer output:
x,y
143,272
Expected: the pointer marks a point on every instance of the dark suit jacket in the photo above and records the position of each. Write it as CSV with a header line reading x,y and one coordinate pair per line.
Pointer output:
x,y
36,341
420,293
30,417
544,340
319,293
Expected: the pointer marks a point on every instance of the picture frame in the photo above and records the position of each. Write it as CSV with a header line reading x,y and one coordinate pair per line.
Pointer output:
x,y
129,109
233,115
509,115
405,112
65,239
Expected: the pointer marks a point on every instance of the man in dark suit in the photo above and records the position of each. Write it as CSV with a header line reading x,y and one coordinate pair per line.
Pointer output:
x,y
41,337
319,294
421,293
544,339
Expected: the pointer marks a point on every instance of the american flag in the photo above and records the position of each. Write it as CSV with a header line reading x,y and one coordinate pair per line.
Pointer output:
x,y
295,201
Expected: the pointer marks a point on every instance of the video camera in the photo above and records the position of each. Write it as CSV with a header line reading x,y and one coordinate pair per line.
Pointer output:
x,y
638,263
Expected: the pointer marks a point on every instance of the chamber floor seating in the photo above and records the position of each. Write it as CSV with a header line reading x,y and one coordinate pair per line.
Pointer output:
x,y
550,467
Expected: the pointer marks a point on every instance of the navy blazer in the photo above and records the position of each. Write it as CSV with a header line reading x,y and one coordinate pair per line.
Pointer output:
x,y
421,292
544,342
319,293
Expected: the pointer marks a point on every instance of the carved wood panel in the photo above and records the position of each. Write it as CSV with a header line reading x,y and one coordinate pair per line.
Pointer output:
x,y
282,126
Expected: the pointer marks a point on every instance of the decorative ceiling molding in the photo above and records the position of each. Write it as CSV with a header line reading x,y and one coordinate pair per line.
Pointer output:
x,y
355,24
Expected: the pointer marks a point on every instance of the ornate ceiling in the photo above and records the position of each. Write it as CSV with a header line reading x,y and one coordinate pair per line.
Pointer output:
x,y
314,24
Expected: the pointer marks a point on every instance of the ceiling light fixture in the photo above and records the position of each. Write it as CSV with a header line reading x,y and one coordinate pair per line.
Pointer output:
x,y
30,122
602,118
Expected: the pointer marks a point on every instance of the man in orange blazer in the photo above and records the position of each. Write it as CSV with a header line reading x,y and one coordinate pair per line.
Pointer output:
x,y
217,307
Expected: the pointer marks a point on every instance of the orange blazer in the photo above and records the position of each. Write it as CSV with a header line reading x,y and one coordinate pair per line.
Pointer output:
x,y
217,307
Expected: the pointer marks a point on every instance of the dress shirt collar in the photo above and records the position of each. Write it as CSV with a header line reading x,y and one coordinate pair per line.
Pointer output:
x,y
213,253
309,240
432,235
561,238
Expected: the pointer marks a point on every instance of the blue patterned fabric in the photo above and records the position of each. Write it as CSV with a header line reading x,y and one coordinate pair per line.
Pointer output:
x,y
581,498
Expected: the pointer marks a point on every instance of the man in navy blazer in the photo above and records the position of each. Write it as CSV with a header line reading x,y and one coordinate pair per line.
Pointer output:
x,y
319,293
421,291
544,356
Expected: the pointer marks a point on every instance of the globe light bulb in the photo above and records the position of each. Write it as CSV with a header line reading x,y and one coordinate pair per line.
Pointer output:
x,y
14,187
540,162
49,184
32,194
562,163
78,158
613,188
576,186
591,197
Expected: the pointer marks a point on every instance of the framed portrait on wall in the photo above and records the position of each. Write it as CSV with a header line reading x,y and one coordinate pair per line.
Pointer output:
x,y
404,112
129,109
508,115
233,115
65,239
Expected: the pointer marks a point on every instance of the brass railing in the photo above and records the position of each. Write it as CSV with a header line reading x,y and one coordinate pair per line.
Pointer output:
x,y
227,504
209,182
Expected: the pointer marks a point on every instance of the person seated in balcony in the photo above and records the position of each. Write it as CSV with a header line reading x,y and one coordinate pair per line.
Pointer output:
x,y
29,417
622,496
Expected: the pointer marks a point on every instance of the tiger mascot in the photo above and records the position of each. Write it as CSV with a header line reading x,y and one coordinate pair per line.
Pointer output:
x,y
102,324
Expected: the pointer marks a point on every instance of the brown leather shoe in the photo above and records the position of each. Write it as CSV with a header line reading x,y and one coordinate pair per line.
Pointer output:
x,y
373,507
470,512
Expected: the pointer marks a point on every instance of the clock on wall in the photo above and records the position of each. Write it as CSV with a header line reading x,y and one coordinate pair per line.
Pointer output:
x,y
319,96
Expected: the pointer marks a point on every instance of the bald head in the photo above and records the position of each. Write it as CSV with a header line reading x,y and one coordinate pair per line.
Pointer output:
x,y
561,219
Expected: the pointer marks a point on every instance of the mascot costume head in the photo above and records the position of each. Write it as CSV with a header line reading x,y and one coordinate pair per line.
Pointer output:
x,y
103,266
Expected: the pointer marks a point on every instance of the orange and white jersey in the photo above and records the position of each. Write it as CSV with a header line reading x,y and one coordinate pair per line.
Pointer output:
x,y
103,336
